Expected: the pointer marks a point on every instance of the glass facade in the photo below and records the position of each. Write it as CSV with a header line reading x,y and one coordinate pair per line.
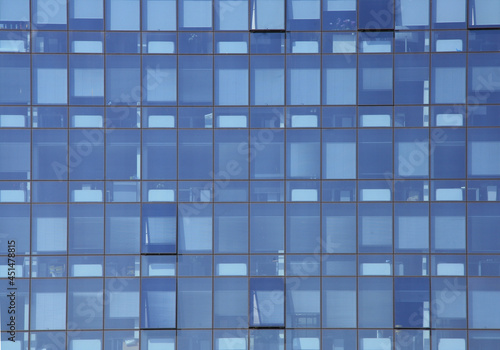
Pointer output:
x,y
250,174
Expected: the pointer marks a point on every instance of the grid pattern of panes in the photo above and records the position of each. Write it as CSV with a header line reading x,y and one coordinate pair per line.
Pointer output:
x,y
251,174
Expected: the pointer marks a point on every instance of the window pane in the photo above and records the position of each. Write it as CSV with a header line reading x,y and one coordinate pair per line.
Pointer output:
x,y
194,303
122,14
15,76
159,15
267,302
268,14
339,302
50,79
231,228
230,302
158,303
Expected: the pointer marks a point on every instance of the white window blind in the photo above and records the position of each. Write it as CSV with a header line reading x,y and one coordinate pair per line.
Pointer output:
x,y
124,15
161,15
88,9
449,85
232,87
484,158
413,232
88,82
46,316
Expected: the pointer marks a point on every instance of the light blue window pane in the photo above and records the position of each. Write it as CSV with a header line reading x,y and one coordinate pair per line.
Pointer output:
x,y
85,266
47,311
339,265
448,312
267,14
123,156
233,191
195,14
408,339
231,80
448,78
411,302
448,159
486,40
14,73
49,15
303,228
231,14
382,42
267,154
49,229
231,228
263,339
376,14
483,78
86,14
194,265
449,14
159,154
484,13
123,228
120,292
303,265
304,15
158,265
303,154
49,42
195,42
87,154
123,74
195,154
267,265
267,228
86,229
411,79
303,80
84,117
450,338
375,86
375,156
230,339
15,154
122,266
339,154
159,225
230,302
450,41
195,80
343,338
118,42
151,340
484,296
267,191
448,227
194,340
195,228
159,15
22,309
412,227
83,296
56,340
194,303
85,339
264,42
339,228
231,265
412,153
159,42
81,191
487,340
49,154
111,338
375,228
14,15
15,117
483,148
159,117
412,14
339,15
231,42
158,303
50,79
375,302
483,221
159,80
49,191
339,80
339,302
303,303
267,302
86,42
122,14
267,78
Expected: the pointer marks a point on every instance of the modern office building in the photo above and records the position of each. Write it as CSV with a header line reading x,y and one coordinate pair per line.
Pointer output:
x,y
250,174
